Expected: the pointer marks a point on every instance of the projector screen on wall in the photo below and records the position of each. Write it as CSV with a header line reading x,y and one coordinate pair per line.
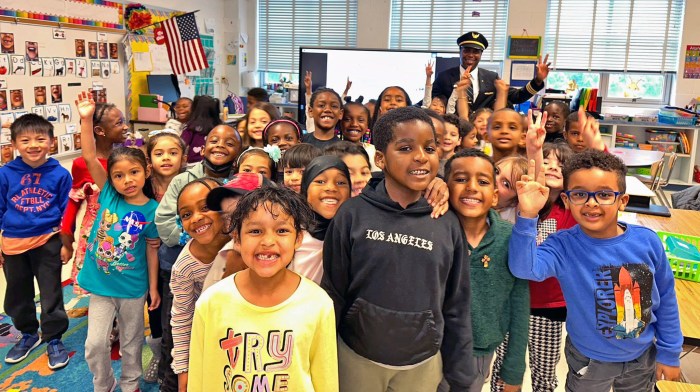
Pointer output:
x,y
372,70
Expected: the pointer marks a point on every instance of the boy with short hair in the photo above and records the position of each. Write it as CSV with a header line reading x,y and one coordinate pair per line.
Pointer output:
x,y
617,282
33,196
471,178
397,276
256,95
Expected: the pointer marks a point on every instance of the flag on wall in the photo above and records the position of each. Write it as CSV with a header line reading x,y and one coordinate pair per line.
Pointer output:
x,y
185,49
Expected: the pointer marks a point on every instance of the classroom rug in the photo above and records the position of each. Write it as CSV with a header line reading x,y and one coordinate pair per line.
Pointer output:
x,y
33,374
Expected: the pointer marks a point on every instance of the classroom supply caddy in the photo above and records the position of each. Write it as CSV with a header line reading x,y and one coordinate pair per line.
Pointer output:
x,y
682,268
676,117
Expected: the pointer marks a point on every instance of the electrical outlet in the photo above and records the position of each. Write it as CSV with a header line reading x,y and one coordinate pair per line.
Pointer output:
x,y
224,80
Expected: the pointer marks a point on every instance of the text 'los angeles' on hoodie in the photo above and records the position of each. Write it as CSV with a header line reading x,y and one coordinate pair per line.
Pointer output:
x,y
400,284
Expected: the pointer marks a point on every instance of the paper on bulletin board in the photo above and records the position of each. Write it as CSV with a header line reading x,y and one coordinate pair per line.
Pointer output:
x,y
142,62
138,82
161,63
522,71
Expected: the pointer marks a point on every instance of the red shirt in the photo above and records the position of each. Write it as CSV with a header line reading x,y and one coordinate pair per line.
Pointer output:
x,y
81,176
547,294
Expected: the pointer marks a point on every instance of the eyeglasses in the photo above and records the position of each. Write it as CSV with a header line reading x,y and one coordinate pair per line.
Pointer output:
x,y
603,198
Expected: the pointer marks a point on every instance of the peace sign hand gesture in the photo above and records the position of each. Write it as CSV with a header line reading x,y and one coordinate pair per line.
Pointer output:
x,y
542,68
464,82
429,69
534,138
532,192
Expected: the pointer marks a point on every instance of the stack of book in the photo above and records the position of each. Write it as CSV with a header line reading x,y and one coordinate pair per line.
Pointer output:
x,y
625,140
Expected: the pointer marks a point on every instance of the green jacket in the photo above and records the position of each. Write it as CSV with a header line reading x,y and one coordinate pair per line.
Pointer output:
x,y
500,301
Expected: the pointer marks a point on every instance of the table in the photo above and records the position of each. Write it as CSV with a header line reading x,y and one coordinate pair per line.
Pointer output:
x,y
637,158
688,293
672,386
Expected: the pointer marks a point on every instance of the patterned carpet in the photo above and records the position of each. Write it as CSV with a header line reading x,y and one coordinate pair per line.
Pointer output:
x,y
33,374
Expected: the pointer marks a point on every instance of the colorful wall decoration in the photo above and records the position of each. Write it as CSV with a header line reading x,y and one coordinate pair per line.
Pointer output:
x,y
95,13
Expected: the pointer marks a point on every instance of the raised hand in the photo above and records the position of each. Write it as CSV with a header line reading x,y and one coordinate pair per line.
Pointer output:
x,y
590,130
542,68
501,86
348,84
534,139
307,82
429,70
464,82
85,105
532,192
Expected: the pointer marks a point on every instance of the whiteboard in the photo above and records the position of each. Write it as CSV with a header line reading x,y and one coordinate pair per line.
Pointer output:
x,y
59,66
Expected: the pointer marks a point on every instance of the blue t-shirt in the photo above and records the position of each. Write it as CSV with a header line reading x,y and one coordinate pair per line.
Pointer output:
x,y
115,260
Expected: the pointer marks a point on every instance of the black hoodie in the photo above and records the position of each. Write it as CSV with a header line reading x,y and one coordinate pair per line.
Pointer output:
x,y
400,284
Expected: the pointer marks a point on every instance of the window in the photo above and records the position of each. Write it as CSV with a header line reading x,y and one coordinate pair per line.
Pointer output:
x,y
572,81
632,45
436,25
285,25
620,87
614,35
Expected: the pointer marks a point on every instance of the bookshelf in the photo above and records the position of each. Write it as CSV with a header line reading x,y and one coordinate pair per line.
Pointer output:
x,y
683,170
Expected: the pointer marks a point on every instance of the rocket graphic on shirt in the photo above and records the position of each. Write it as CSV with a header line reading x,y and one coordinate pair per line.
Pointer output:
x,y
623,300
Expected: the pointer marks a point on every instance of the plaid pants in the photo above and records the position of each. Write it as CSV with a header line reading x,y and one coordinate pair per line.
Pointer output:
x,y
544,346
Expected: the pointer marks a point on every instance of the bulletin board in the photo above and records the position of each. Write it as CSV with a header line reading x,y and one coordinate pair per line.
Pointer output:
x,y
63,68
145,57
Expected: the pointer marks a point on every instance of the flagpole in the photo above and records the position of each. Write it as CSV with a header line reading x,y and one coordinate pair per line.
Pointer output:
x,y
156,23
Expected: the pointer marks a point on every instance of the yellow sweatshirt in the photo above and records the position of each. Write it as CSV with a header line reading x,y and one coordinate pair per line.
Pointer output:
x,y
236,345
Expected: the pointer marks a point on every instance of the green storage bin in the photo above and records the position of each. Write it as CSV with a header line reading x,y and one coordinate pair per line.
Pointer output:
x,y
682,268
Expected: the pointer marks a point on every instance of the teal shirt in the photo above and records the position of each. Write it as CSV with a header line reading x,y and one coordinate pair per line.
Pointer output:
x,y
115,259
500,301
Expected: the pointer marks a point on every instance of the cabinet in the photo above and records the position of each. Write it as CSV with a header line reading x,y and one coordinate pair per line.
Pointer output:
x,y
683,170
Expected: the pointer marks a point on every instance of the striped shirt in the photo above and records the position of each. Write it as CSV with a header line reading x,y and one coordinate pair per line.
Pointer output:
x,y
186,281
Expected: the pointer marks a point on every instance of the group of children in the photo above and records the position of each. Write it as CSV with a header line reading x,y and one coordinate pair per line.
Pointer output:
x,y
274,259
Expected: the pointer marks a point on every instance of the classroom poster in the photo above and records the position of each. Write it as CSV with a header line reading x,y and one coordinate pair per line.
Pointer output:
x,y
66,143
4,64
3,100
47,63
81,68
59,66
18,65
70,66
692,62
7,153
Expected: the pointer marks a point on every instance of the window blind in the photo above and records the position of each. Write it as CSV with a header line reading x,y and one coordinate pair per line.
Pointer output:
x,y
436,25
614,35
285,25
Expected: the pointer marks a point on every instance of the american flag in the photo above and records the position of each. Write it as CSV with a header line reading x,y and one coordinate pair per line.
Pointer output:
x,y
184,45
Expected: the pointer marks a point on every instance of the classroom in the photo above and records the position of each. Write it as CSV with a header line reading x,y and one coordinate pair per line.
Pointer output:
x,y
548,148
